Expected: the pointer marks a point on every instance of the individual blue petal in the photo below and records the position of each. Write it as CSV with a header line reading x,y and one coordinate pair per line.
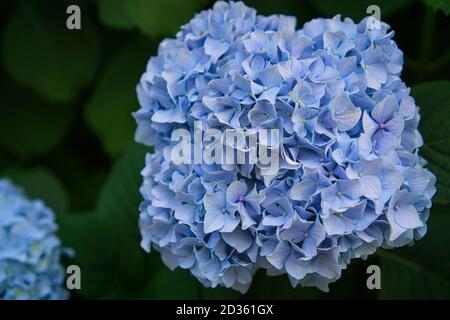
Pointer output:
x,y
417,180
340,223
337,43
296,230
186,213
395,125
262,111
236,192
384,110
383,141
371,187
325,263
239,239
344,113
215,48
215,218
279,255
167,116
374,69
270,77
401,214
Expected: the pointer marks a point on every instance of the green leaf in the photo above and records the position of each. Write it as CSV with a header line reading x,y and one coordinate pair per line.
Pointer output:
x,y
434,100
106,242
40,183
109,109
154,17
443,5
120,197
357,9
30,126
423,270
112,13
83,174
41,53
112,263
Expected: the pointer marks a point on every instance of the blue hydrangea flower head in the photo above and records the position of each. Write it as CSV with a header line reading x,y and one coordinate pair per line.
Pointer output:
x,y
350,178
30,251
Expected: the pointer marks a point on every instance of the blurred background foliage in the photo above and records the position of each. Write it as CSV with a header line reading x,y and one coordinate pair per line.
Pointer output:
x,y
66,135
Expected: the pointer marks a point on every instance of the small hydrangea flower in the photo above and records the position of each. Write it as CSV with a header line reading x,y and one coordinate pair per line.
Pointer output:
x,y
350,179
30,251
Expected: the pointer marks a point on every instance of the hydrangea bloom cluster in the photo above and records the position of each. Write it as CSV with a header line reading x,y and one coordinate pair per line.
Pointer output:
x,y
350,179
30,251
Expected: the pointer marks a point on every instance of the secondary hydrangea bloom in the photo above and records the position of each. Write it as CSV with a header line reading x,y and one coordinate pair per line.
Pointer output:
x,y
349,181
30,251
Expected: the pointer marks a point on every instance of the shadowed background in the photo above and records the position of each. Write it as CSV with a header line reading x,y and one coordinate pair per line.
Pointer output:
x,y
66,135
